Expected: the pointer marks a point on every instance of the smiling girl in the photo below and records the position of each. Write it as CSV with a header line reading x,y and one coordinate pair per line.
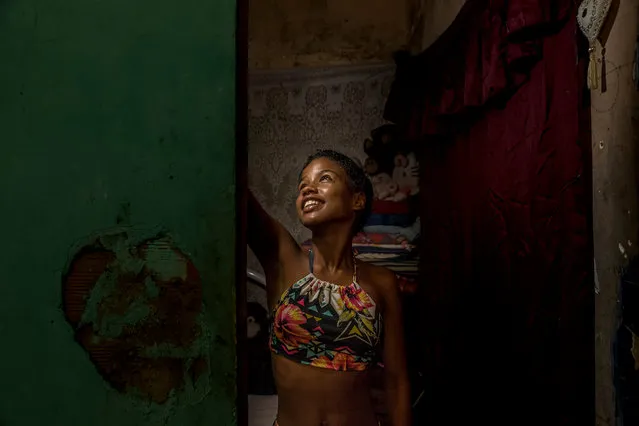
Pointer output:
x,y
333,316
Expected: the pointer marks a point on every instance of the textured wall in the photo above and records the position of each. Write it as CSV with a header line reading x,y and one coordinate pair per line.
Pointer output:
x,y
437,16
614,135
298,33
294,113
117,115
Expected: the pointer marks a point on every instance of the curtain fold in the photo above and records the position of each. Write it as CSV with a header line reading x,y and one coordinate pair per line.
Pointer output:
x,y
499,109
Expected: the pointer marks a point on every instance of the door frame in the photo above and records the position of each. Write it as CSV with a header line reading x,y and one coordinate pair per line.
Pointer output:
x,y
241,190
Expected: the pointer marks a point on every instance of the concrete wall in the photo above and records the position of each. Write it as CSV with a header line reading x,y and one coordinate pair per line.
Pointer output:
x,y
301,33
614,137
309,33
438,15
117,210
429,20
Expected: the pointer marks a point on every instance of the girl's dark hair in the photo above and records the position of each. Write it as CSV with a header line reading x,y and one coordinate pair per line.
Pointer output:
x,y
357,180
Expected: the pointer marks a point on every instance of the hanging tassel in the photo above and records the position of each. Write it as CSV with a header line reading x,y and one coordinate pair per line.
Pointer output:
x,y
593,78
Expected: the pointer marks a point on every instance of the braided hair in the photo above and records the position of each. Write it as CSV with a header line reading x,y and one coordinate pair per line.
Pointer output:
x,y
357,181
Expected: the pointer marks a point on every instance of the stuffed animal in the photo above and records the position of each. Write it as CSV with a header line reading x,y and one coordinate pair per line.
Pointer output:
x,y
406,173
385,188
371,168
256,320
382,148
380,156
386,134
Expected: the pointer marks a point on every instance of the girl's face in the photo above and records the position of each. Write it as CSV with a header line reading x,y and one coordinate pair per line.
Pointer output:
x,y
325,196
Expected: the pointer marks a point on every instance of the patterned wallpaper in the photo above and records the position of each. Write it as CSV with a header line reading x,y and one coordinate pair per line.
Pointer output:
x,y
293,113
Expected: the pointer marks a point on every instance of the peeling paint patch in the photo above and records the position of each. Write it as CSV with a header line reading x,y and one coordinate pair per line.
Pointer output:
x,y
622,250
135,305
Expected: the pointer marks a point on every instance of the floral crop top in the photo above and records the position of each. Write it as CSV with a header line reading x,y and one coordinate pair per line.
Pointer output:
x,y
326,325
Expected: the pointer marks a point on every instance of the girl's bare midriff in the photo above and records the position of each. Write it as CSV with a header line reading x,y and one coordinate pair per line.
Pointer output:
x,y
313,396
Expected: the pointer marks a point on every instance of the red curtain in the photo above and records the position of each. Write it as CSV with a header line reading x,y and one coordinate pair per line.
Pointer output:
x,y
499,108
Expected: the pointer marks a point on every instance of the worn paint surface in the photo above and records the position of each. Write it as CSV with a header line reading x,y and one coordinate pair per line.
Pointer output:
x,y
135,305
615,210
116,114
310,33
437,15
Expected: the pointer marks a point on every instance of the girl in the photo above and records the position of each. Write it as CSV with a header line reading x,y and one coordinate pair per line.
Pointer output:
x,y
332,315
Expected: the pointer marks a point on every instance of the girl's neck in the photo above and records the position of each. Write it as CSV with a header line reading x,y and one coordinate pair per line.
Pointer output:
x,y
333,251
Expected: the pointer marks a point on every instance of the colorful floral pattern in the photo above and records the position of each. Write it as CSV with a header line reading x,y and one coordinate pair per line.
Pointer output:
x,y
340,362
288,326
326,325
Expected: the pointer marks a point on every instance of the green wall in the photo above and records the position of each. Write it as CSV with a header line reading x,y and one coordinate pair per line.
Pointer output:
x,y
112,113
